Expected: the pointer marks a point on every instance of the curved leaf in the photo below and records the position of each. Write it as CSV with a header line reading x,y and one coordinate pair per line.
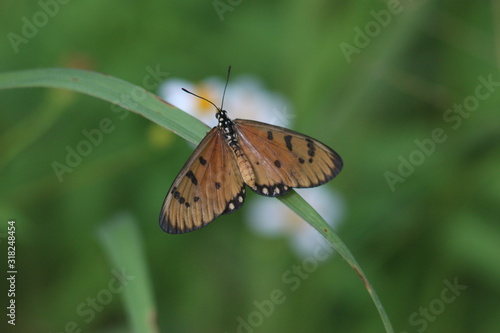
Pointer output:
x,y
144,103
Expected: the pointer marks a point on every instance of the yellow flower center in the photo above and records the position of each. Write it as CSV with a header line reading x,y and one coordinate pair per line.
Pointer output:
x,y
207,91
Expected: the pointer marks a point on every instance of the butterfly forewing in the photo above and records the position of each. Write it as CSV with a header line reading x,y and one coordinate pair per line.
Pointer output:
x,y
208,185
282,158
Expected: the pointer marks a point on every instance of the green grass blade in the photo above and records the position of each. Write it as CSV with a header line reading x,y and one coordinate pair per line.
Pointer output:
x,y
116,91
296,203
122,243
144,103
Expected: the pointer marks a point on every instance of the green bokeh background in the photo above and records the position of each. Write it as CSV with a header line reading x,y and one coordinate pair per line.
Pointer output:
x,y
440,224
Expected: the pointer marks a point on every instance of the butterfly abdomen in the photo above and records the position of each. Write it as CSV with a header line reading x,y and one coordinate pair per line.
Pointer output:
x,y
245,167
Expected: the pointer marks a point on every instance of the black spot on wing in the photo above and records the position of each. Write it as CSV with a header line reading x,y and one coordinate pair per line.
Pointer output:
x,y
277,163
202,160
217,185
311,146
269,135
191,176
288,142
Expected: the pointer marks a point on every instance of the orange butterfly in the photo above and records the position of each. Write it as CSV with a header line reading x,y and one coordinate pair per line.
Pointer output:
x,y
271,160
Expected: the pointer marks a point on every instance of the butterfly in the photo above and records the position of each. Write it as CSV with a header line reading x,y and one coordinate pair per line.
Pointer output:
x,y
271,160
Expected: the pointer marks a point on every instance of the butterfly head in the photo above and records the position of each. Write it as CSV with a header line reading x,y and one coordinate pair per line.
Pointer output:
x,y
221,115
224,123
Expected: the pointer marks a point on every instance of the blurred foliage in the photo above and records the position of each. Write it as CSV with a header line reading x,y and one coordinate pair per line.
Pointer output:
x,y
438,226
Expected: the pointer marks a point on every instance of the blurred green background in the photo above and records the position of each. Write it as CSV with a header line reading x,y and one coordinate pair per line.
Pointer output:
x,y
415,229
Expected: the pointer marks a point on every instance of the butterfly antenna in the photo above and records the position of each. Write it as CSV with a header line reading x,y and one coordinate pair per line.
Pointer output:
x,y
224,93
203,98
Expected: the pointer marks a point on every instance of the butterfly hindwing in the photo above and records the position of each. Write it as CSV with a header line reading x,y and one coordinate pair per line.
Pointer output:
x,y
282,158
208,185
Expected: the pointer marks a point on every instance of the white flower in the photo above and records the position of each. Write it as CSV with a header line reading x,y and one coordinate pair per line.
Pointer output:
x,y
245,98
273,219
